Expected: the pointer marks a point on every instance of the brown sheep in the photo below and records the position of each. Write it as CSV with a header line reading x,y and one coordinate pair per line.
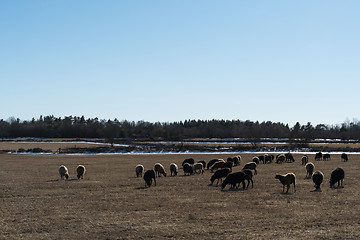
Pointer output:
x,y
159,169
80,170
310,167
304,160
280,158
287,179
198,166
173,169
139,169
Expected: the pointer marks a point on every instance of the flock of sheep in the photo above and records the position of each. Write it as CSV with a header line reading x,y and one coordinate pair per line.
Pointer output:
x,y
223,170
64,172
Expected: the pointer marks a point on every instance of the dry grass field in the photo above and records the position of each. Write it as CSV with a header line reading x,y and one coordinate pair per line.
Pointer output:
x,y
111,203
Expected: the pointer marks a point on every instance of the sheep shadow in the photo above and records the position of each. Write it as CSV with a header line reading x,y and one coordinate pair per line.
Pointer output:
x,y
316,190
233,190
214,185
72,180
140,188
65,180
53,180
286,193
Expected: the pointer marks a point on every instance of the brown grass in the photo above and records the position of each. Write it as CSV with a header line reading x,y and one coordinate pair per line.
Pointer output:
x,y
111,203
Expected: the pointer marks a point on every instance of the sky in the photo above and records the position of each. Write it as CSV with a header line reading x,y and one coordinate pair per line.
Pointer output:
x,y
169,61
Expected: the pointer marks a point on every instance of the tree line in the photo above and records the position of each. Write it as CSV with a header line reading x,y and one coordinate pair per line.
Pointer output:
x,y
79,127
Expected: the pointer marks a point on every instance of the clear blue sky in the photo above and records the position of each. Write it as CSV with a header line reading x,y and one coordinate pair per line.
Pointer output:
x,y
280,61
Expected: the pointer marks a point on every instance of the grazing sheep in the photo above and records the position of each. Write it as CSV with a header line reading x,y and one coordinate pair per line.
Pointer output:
x,y
250,165
268,158
287,179
337,176
63,172
289,158
280,158
248,177
198,166
217,165
149,175
304,160
212,162
318,156
344,157
219,175
189,161
203,163
261,158
80,170
173,169
234,179
310,167
256,160
326,156
237,160
188,169
159,169
317,178
230,159
228,165
139,169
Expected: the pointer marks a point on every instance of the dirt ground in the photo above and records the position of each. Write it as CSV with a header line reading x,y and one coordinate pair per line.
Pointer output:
x,y
111,203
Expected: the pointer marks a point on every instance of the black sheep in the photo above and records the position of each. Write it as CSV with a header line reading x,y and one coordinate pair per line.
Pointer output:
x,y
189,161
188,169
317,178
237,160
318,156
211,162
149,175
250,165
344,157
326,156
337,176
228,165
234,179
248,177
219,174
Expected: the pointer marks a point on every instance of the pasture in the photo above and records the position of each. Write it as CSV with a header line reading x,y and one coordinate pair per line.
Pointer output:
x,y
111,203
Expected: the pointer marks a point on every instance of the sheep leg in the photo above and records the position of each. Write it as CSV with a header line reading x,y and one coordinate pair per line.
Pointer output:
x,y
255,171
294,187
287,188
155,181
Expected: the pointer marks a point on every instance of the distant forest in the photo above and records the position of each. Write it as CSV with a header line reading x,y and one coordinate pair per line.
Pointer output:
x,y
79,127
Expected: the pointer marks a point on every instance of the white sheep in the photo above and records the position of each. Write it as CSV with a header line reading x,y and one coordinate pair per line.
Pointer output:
x,y
64,172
